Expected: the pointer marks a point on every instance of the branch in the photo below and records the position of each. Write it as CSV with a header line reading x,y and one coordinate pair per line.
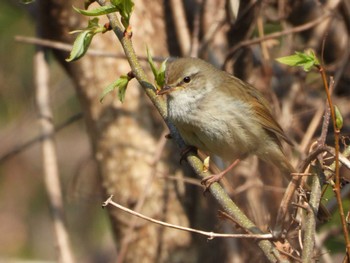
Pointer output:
x,y
50,166
297,29
68,47
310,226
217,191
336,187
210,235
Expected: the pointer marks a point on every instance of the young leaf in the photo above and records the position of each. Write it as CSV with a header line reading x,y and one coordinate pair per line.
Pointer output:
x,y
159,74
83,40
151,63
122,88
338,118
80,46
307,60
101,10
124,7
121,84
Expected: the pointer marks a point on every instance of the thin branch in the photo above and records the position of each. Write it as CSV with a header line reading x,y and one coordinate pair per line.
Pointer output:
x,y
310,225
50,166
336,187
210,235
293,30
68,47
311,129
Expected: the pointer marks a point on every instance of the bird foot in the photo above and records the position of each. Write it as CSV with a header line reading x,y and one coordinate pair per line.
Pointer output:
x,y
209,180
185,151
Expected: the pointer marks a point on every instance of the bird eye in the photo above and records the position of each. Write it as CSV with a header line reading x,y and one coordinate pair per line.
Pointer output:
x,y
187,79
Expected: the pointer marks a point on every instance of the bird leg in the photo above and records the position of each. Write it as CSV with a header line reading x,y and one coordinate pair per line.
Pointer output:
x,y
209,180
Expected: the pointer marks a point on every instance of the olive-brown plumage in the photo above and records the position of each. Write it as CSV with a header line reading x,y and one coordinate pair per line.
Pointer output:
x,y
222,115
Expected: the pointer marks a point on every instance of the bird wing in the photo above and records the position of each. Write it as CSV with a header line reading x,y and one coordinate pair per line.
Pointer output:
x,y
260,106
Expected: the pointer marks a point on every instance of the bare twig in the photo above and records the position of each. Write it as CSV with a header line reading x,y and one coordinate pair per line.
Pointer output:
x,y
293,30
311,129
50,166
336,187
210,235
68,47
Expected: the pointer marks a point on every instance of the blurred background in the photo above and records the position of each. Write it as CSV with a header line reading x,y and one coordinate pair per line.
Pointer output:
x,y
119,148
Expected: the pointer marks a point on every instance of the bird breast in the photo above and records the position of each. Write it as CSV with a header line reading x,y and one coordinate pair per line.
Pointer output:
x,y
222,126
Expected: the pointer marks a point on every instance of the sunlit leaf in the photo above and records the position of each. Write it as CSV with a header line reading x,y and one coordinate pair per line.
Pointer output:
x,y
151,63
121,84
159,74
80,46
83,40
124,7
338,118
307,60
160,78
101,10
122,88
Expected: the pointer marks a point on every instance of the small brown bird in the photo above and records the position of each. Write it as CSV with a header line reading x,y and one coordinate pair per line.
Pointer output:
x,y
222,115
227,117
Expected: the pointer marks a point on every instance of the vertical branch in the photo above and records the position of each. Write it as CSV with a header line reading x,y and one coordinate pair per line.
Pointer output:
x,y
336,187
50,166
310,226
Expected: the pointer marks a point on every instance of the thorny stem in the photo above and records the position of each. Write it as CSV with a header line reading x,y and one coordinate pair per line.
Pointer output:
x,y
336,187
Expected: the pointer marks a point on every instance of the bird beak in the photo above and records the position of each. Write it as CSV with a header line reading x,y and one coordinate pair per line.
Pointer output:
x,y
165,90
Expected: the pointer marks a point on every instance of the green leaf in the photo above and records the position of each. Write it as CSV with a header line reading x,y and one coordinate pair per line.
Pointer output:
x,y
124,7
121,84
93,23
83,40
80,46
151,63
122,89
338,118
160,79
159,74
292,60
101,10
307,60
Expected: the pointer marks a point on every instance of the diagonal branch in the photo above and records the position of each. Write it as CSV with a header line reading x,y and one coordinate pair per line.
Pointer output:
x,y
217,191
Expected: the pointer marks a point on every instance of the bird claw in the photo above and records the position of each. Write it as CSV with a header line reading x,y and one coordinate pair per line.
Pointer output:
x,y
209,180
185,151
